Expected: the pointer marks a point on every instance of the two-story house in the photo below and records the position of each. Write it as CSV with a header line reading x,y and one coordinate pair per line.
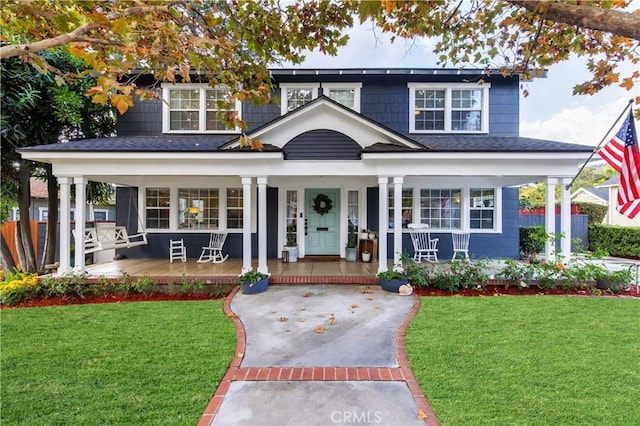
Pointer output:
x,y
344,150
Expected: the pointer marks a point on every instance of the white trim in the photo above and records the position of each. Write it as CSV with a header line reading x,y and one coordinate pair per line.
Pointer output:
x,y
202,87
344,86
284,87
448,87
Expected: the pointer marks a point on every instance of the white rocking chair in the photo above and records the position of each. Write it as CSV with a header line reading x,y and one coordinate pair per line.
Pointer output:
x,y
460,244
213,252
424,247
177,250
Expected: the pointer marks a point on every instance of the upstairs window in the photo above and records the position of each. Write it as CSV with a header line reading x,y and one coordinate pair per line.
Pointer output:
x,y
295,95
197,108
440,108
347,94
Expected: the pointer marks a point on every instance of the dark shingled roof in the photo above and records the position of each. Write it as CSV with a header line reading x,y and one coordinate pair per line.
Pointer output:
x,y
392,147
487,143
164,143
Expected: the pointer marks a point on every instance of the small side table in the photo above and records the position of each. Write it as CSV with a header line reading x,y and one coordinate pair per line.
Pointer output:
x,y
368,245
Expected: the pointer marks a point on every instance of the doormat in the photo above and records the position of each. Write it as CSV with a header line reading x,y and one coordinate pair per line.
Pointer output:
x,y
320,258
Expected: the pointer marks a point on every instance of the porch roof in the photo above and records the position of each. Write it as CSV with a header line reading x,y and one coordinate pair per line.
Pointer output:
x,y
215,143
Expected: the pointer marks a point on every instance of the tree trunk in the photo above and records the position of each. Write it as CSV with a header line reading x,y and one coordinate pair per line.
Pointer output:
x,y
29,263
50,239
8,264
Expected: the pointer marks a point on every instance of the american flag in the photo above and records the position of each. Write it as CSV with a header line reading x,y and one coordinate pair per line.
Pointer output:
x,y
622,154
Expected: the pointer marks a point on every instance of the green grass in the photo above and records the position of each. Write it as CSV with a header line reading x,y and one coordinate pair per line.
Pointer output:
x,y
538,360
129,363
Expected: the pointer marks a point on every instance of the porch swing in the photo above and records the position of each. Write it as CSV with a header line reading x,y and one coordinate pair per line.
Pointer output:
x,y
115,237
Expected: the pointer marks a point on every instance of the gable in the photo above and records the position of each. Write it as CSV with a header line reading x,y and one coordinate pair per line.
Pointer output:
x,y
326,114
322,144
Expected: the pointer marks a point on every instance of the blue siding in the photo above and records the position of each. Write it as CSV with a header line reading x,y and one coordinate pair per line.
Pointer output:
x,y
142,119
504,109
322,144
387,104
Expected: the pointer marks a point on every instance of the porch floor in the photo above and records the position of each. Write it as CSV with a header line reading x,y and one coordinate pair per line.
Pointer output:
x,y
305,271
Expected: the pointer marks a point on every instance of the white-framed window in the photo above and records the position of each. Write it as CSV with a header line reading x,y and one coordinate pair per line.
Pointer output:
x,y
347,94
101,215
197,108
193,209
295,95
353,217
448,107
407,207
291,218
234,208
157,207
199,208
482,208
441,208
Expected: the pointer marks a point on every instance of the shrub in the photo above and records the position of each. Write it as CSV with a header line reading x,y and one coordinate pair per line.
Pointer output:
x,y
532,240
594,212
17,287
620,241
67,284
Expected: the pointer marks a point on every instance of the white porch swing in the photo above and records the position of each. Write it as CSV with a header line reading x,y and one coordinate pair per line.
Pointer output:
x,y
115,237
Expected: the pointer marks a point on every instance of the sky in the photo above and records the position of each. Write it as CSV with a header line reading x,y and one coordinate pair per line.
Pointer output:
x,y
549,112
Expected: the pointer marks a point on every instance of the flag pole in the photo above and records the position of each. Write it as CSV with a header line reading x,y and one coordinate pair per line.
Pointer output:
x,y
598,147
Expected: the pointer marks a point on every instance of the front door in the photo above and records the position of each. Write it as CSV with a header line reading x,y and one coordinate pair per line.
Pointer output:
x,y
322,207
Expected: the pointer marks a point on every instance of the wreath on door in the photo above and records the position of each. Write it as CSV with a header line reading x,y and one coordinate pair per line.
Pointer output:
x,y
322,204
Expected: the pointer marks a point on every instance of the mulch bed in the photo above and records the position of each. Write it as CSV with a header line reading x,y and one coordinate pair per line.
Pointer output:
x,y
495,290
491,290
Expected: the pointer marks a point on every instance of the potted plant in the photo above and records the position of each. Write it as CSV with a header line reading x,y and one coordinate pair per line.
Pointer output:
x,y
613,281
351,252
253,282
366,256
292,243
392,280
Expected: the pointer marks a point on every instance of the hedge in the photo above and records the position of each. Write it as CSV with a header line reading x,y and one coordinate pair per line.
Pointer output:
x,y
595,212
618,241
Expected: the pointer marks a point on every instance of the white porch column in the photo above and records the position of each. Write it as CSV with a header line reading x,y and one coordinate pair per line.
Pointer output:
x,y
262,225
383,223
81,201
65,226
246,224
565,218
397,222
550,219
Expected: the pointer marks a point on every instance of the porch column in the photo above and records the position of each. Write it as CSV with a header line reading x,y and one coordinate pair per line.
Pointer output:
x,y
565,218
550,219
262,225
246,224
65,226
383,223
81,201
397,222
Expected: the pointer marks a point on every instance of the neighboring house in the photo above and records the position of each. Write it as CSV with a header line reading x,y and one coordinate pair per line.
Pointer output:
x,y
39,209
613,217
434,141
593,195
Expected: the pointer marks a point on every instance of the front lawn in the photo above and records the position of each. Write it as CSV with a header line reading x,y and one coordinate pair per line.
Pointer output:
x,y
528,360
126,363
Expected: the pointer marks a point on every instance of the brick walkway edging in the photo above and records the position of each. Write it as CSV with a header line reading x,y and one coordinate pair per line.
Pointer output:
x,y
237,373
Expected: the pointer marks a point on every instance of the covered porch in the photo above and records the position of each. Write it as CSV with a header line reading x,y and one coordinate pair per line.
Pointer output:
x,y
331,271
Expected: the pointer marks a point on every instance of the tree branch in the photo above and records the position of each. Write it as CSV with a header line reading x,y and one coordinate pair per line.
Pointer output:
x,y
606,20
76,35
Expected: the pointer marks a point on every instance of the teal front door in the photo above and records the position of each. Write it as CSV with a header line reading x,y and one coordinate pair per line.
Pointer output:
x,y
322,222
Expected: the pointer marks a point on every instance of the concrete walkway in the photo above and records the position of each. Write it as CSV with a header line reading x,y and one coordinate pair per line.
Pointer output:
x,y
320,355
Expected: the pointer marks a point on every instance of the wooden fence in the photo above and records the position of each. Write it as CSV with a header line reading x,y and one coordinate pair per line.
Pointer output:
x,y
9,233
